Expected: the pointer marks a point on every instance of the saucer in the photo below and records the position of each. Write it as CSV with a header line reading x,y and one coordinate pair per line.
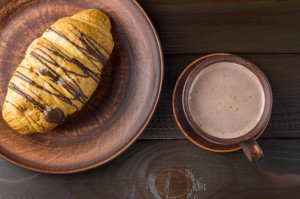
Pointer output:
x,y
181,119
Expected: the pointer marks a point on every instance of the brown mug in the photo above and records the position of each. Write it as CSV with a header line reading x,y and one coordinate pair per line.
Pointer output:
x,y
247,141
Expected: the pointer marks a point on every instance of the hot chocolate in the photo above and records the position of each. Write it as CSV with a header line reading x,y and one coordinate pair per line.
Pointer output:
x,y
226,100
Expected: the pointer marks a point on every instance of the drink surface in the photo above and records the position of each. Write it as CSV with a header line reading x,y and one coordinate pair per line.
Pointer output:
x,y
226,100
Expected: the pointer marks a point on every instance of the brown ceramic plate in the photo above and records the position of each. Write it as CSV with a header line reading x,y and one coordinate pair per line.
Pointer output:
x,y
120,108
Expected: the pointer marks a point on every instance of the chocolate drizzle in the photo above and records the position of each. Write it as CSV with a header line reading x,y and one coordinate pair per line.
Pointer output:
x,y
89,73
76,93
90,46
33,83
54,115
30,99
47,56
46,72
16,106
34,94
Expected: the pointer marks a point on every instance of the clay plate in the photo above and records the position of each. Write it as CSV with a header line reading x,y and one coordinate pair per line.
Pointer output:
x,y
120,108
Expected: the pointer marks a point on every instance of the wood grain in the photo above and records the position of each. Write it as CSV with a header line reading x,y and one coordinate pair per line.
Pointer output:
x,y
168,169
120,108
177,169
283,72
209,26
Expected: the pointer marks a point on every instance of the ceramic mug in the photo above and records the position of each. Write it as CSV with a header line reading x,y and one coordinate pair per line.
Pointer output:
x,y
247,141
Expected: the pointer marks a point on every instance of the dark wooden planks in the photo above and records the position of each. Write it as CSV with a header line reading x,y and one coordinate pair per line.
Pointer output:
x,y
251,26
283,71
177,169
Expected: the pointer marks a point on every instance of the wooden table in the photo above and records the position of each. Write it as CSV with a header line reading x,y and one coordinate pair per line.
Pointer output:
x,y
163,163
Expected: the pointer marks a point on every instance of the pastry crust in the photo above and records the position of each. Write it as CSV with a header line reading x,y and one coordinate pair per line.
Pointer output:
x,y
59,73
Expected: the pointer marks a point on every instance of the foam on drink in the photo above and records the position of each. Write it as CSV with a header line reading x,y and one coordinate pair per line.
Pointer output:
x,y
226,100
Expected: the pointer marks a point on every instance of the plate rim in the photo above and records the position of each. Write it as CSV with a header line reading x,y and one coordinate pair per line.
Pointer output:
x,y
139,132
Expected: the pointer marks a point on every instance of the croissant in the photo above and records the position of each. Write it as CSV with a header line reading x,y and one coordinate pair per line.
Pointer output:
x,y
59,73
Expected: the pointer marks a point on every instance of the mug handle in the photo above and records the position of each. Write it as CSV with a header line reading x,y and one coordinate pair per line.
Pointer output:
x,y
252,150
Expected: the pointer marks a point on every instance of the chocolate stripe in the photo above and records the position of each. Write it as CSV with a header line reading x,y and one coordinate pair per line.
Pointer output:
x,y
46,56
